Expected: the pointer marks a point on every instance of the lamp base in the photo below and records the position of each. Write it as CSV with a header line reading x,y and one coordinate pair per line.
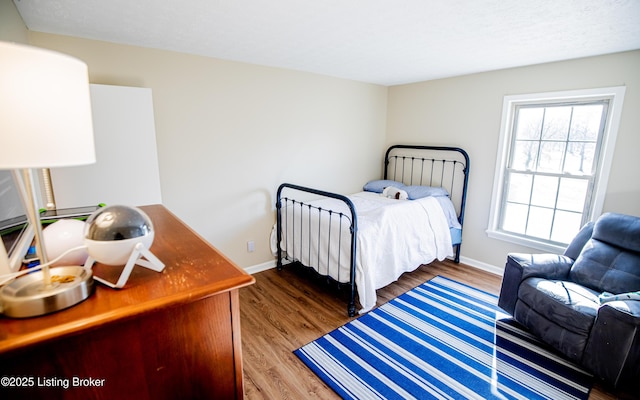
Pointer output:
x,y
139,250
27,296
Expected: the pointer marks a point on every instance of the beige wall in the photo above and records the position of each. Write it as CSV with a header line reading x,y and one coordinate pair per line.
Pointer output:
x,y
229,133
466,112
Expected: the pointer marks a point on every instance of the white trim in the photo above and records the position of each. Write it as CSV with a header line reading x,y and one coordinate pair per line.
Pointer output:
x,y
482,266
609,145
606,158
254,269
503,146
529,242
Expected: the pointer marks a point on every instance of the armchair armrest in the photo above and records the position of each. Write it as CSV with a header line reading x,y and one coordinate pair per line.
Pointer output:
x,y
623,310
522,266
613,349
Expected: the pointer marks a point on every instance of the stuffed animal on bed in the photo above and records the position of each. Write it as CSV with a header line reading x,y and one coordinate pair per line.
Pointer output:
x,y
392,192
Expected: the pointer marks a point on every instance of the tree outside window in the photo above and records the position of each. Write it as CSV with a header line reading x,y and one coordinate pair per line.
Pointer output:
x,y
552,166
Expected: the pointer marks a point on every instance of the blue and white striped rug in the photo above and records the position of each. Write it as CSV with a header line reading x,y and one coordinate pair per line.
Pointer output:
x,y
441,340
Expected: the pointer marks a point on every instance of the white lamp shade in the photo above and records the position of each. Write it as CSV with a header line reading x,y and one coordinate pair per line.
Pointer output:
x,y
45,109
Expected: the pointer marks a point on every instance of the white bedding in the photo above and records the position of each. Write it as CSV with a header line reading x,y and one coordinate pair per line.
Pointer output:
x,y
394,236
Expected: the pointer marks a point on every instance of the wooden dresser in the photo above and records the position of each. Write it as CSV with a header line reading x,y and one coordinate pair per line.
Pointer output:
x,y
168,335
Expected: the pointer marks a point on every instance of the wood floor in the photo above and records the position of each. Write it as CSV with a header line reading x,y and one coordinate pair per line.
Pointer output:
x,y
284,310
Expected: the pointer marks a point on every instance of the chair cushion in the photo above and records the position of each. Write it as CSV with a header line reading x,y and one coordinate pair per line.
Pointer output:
x,y
610,260
569,305
607,268
619,230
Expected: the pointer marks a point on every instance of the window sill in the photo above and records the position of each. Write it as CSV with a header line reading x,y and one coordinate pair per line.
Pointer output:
x,y
535,244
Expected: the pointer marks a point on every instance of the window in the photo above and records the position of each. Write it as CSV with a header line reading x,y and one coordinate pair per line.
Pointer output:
x,y
553,163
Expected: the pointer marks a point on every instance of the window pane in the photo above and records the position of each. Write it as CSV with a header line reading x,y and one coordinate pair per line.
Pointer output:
x,y
551,156
519,190
572,194
566,226
529,123
556,123
580,158
586,121
515,218
524,155
553,149
545,189
539,224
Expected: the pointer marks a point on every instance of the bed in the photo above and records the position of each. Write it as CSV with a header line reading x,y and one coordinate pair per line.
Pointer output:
x,y
366,240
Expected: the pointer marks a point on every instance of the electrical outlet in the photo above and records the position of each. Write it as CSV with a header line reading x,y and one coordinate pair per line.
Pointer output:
x,y
251,246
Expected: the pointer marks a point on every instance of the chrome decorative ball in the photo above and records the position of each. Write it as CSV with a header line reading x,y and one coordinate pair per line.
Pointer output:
x,y
111,233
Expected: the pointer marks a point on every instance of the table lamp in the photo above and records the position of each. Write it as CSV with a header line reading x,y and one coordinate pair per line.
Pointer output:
x,y
45,121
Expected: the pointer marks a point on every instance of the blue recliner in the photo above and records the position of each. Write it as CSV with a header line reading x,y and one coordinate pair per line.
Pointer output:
x,y
569,300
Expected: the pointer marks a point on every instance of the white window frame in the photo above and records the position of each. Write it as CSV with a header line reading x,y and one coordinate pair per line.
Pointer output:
x,y
616,96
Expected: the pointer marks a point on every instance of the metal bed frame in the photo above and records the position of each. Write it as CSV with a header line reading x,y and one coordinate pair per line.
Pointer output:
x,y
439,166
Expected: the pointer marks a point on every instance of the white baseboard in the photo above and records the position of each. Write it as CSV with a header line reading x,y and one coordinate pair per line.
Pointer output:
x,y
254,269
481,265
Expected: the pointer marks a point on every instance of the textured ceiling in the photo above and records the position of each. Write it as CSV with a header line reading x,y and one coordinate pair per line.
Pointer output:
x,y
379,41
